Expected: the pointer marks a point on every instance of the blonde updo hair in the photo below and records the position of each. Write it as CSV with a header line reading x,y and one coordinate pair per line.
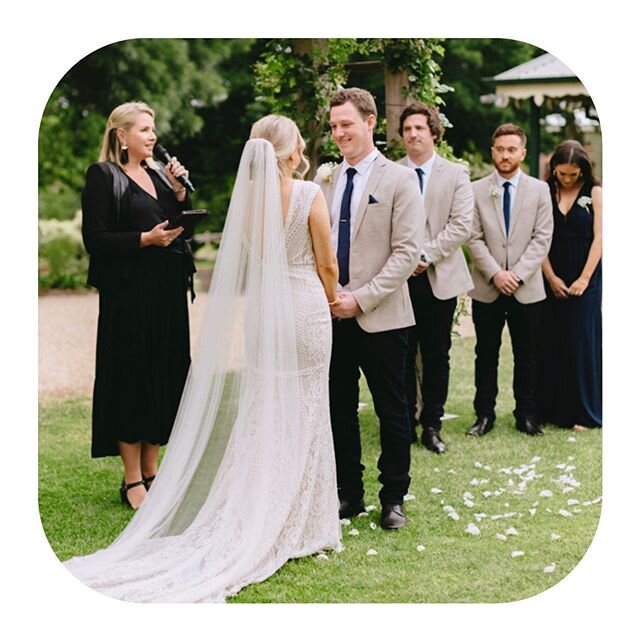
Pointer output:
x,y
122,117
285,137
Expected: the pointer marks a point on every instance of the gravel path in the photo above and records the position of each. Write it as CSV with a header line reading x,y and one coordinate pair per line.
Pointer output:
x,y
67,339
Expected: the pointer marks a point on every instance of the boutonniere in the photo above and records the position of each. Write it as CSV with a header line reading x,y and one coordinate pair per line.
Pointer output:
x,y
584,202
325,171
494,191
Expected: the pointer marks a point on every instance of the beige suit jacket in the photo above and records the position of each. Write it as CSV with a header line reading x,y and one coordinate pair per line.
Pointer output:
x,y
448,205
385,244
530,232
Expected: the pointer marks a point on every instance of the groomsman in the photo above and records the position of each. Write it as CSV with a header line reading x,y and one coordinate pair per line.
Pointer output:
x,y
511,236
442,273
378,222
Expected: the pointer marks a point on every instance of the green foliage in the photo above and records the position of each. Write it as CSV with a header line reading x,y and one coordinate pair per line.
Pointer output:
x,y
296,78
62,260
80,510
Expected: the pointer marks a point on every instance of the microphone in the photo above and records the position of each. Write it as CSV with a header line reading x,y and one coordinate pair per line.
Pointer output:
x,y
160,152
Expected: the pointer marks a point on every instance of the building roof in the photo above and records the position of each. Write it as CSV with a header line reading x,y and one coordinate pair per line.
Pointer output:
x,y
543,68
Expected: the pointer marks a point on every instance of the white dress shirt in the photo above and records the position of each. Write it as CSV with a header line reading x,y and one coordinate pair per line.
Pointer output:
x,y
512,189
426,169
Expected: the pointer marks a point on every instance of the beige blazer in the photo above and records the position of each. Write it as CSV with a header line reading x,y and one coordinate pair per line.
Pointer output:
x,y
385,244
448,205
531,228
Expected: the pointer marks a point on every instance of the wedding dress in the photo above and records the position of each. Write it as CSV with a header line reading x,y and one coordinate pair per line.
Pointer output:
x,y
248,477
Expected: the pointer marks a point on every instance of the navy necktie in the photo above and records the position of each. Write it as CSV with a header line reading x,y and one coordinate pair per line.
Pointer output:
x,y
420,173
506,205
344,230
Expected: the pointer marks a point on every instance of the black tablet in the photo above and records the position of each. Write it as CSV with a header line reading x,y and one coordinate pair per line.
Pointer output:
x,y
188,219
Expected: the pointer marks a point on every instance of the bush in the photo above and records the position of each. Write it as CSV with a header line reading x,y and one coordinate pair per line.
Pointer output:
x,y
62,259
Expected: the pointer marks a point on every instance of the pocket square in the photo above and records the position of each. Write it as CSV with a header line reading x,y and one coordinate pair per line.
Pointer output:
x,y
372,200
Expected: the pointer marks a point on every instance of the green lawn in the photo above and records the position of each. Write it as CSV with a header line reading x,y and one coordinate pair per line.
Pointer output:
x,y
540,495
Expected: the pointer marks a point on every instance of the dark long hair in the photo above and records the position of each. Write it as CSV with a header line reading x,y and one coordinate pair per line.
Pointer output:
x,y
571,152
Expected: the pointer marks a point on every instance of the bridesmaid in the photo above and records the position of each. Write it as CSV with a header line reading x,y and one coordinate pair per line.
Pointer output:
x,y
570,380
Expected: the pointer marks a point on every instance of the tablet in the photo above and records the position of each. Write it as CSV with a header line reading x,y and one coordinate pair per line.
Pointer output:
x,y
188,219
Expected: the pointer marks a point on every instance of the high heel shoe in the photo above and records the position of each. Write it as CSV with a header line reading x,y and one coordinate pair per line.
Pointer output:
x,y
124,488
148,481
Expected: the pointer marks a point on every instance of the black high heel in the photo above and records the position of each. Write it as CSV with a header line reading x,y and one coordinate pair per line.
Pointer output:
x,y
148,481
124,488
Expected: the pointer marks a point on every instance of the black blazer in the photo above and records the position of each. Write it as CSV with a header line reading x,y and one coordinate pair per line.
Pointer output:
x,y
108,232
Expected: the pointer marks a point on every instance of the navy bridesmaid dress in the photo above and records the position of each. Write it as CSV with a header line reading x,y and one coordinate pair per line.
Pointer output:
x,y
570,364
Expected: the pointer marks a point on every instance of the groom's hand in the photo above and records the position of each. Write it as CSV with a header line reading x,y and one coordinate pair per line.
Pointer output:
x,y
347,306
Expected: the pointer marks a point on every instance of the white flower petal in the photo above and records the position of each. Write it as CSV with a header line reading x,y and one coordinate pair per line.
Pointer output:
x,y
345,521
436,490
452,471
480,516
546,493
420,548
551,568
535,459
572,501
487,467
555,536
467,495
372,507
571,439
408,497
501,536
565,513
364,514
373,525
477,465
454,516
372,552
354,532
517,554
511,531
532,511
472,529
487,494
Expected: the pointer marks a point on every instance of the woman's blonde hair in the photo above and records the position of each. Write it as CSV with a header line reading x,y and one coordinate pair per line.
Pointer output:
x,y
285,137
122,117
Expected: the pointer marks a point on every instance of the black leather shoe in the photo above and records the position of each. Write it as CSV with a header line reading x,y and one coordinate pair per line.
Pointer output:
x,y
528,426
350,509
393,516
481,427
431,440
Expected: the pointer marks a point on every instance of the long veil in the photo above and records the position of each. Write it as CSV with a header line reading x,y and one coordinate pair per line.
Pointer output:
x,y
237,428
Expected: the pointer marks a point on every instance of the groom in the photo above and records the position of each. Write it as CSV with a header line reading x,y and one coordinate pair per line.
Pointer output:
x,y
377,222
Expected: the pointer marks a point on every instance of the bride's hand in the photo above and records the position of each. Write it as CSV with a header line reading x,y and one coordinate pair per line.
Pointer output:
x,y
347,306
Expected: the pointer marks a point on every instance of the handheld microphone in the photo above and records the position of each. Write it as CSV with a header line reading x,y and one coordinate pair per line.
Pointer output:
x,y
160,152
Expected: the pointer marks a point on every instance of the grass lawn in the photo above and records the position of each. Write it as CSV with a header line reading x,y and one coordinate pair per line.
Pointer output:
x,y
495,519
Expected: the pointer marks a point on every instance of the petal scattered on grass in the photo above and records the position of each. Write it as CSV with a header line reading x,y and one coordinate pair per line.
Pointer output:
x,y
364,514
480,516
550,568
517,554
477,465
469,503
372,552
372,507
571,439
565,513
546,493
501,536
436,490
420,548
373,525
345,521
322,556
532,511
511,531
472,529
555,536
354,532
487,494
572,501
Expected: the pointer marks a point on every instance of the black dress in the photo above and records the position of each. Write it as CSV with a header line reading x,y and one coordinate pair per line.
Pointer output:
x,y
570,368
143,352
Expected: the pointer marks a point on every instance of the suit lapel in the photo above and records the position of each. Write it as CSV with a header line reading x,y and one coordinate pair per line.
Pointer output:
x,y
521,196
430,197
497,201
374,177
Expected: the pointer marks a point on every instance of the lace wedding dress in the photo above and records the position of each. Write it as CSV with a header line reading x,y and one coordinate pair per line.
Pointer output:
x,y
248,478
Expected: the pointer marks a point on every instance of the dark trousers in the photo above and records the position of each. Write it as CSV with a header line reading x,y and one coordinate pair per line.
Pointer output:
x,y
382,357
523,321
432,335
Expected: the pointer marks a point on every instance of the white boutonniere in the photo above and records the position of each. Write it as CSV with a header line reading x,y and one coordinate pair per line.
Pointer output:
x,y
494,191
585,202
325,171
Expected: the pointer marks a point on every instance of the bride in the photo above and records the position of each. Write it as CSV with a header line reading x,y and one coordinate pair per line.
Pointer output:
x,y
248,477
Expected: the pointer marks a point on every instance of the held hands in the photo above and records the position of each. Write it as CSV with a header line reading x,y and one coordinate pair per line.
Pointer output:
x,y
506,282
558,287
158,236
345,306
421,268
579,286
